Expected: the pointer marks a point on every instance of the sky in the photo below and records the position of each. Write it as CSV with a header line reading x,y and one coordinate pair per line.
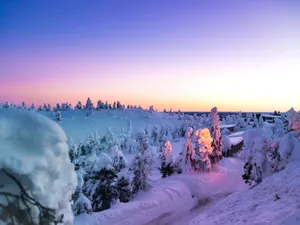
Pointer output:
x,y
192,55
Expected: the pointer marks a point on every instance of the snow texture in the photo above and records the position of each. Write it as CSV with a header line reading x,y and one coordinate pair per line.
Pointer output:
x,y
34,149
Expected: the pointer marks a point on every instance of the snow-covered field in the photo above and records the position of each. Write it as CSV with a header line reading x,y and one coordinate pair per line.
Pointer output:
x,y
194,197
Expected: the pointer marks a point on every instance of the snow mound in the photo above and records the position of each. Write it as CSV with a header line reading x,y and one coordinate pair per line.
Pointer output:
x,y
274,201
34,149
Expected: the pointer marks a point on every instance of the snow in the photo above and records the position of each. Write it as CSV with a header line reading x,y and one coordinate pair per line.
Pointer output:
x,y
223,126
270,115
172,198
258,206
236,134
76,124
34,149
235,140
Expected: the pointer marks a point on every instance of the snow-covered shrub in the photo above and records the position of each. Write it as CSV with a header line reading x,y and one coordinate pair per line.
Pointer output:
x,y
167,167
293,119
79,105
142,166
289,148
34,168
203,149
155,135
255,154
216,145
82,205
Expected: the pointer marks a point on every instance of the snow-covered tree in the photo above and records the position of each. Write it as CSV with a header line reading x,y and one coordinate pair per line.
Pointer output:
x,y
79,105
278,129
24,105
203,149
118,158
216,154
119,105
255,153
142,166
89,104
114,105
167,167
186,161
155,135
40,109
99,105
124,188
58,116
261,122
6,105
293,119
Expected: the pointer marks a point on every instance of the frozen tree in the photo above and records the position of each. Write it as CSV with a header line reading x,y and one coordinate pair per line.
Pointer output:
x,y
118,158
293,119
203,149
124,188
165,111
167,167
114,105
6,105
40,109
109,139
151,109
216,154
119,105
109,106
23,105
255,153
32,107
79,105
278,129
155,135
273,156
58,116
142,166
89,104
106,105
99,105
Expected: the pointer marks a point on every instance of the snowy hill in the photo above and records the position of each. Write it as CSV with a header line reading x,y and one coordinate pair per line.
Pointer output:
x,y
77,124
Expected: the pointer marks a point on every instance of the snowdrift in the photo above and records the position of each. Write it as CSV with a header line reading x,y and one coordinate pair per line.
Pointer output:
x,y
275,201
34,149
171,198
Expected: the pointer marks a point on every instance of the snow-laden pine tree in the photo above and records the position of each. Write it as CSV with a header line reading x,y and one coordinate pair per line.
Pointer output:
x,y
78,106
6,105
99,105
261,122
216,154
293,119
186,159
58,116
24,105
226,146
119,161
81,203
155,136
203,149
123,187
255,154
167,167
114,105
100,183
32,107
40,109
142,165
89,104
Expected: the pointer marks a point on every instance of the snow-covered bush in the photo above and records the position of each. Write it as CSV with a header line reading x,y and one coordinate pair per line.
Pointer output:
x,y
89,104
155,135
35,170
278,129
123,188
58,116
167,167
79,105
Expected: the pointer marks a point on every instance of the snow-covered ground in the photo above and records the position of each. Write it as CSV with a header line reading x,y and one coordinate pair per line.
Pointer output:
x,y
275,201
76,124
173,198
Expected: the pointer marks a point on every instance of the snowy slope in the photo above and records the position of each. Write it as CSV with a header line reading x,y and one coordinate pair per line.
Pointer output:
x,y
259,206
172,198
76,124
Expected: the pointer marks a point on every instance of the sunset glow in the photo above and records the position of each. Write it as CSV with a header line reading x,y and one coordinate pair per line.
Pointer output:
x,y
187,55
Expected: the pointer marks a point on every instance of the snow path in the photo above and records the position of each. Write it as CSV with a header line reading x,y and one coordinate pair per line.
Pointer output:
x,y
173,197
